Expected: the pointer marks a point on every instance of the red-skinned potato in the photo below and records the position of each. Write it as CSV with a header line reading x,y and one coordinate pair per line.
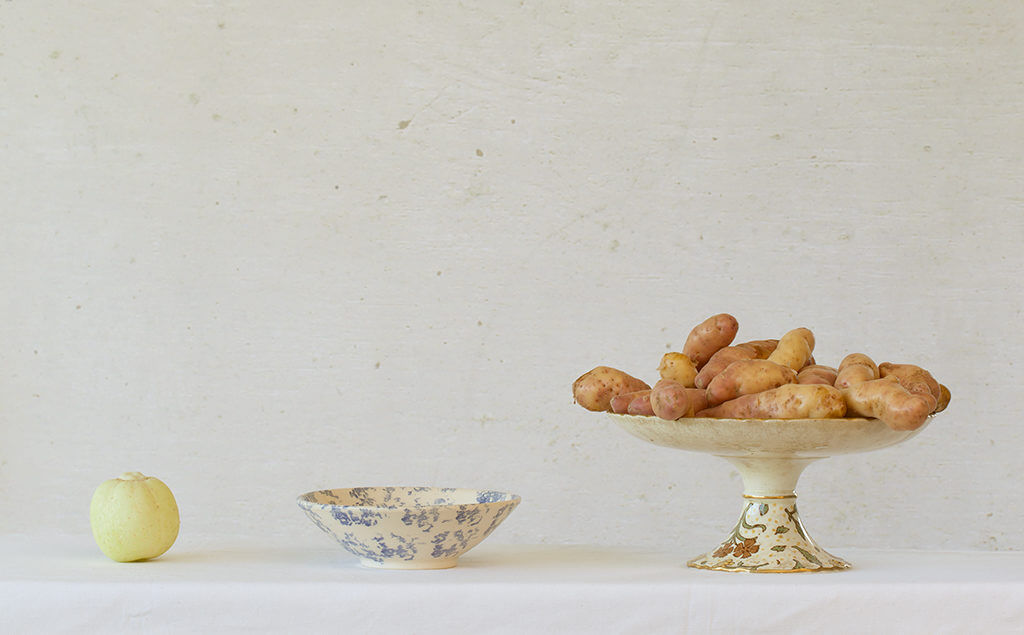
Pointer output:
x,y
595,389
746,377
944,397
641,405
913,378
671,400
762,348
714,333
791,401
634,403
720,360
754,349
619,404
817,374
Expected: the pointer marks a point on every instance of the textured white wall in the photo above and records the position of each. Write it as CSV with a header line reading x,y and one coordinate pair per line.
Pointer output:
x,y
256,248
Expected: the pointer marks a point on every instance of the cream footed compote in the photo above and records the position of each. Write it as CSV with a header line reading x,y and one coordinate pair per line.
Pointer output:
x,y
770,455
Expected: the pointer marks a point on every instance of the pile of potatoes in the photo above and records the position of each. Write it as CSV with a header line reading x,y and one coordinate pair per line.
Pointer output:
x,y
765,379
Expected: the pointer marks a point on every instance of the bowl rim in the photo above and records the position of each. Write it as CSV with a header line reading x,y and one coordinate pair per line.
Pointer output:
x,y
304,499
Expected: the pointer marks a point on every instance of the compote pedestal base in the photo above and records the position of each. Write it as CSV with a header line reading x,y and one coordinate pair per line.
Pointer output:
x,y
769,538
770,455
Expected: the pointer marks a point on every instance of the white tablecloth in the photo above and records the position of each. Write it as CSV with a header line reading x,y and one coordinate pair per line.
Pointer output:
x,y
66,585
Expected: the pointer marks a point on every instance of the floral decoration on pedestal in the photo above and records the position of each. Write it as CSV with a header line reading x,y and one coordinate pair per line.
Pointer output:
x,y
769,538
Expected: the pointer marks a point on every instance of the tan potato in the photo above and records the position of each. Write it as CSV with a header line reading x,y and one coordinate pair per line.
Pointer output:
x,y
678,368
913,378
718,331
746,377
817,374
791,401
855,368
671,400
887,400
794,349
594,389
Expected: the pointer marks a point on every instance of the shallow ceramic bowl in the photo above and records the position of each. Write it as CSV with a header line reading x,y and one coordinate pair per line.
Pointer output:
x,y
408,527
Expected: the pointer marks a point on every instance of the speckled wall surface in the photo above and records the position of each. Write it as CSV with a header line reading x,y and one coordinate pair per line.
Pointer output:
x,y
256,249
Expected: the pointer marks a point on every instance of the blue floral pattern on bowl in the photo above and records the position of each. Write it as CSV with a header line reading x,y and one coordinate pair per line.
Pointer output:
x,y
408,527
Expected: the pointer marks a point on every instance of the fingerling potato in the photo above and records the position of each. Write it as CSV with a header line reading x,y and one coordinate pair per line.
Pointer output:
x,y
595,389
